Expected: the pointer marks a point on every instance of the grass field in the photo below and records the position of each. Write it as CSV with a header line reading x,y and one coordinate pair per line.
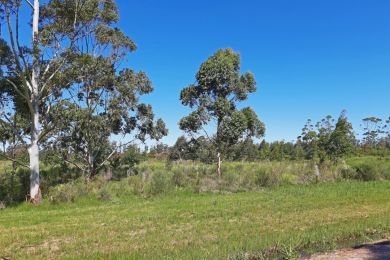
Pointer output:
x,y
283,221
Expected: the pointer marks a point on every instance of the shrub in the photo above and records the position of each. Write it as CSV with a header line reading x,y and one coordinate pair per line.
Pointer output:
x,y
136,184
266,178
179,179
71,191
63,193
348,173
230,181
207,184
367,172
104,195
159,183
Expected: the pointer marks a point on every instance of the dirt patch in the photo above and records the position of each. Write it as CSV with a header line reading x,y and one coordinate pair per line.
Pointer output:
x,y
377,250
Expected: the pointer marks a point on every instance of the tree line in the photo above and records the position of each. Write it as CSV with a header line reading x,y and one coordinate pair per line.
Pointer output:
x,y
66,97
326,140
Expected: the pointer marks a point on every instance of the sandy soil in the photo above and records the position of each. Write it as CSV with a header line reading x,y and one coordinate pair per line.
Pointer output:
x,y
377,250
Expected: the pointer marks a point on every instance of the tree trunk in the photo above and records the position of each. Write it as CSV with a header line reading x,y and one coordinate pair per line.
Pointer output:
x,y
33,151
35,192
91,167
14,149
219,165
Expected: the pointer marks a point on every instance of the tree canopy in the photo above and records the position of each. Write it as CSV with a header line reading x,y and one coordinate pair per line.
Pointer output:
x,y
215,96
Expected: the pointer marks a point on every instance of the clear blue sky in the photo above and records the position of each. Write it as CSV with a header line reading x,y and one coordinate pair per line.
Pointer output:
x,y
310,58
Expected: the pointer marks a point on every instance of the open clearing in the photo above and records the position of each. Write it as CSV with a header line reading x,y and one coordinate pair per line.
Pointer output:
x,y
291,221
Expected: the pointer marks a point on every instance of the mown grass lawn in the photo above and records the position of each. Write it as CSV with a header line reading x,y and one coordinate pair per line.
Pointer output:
x,y
183,225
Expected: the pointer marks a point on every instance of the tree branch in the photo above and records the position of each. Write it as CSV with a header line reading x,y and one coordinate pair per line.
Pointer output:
x,y
14,160
30,4
72,163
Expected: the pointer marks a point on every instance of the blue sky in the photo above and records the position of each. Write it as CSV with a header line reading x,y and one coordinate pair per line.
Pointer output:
x,y
310,58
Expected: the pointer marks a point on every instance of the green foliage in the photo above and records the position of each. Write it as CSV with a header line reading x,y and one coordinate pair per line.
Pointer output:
x,y
219,87
367,172
341,140
370,168
106,100
67,192
159,183
328,141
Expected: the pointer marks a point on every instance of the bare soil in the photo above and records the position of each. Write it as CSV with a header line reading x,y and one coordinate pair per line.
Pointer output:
x,y
377,251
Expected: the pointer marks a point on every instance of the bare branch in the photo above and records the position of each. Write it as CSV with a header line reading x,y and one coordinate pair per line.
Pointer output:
x,y
18,44
113,152
30,4
72,163
14,160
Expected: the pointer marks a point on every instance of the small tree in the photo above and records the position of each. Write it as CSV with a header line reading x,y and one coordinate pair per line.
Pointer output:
x,y
264,150
218,89
371,130
342,139
180,150
309,140
328,140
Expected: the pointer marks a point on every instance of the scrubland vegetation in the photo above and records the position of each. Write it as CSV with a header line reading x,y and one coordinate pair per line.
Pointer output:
x,y
284,222
67,189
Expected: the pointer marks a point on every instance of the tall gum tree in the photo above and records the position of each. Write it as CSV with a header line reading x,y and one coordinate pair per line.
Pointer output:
x,y
25,79
214,97
38,68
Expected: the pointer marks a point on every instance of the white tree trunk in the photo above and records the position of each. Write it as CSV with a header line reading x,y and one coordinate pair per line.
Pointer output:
x,y
219,165
35,193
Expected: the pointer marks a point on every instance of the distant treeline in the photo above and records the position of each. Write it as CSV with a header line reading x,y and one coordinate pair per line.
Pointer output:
x,y
327,139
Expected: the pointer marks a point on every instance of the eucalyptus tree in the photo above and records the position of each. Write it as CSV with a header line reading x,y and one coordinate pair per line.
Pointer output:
x,y
328,139
219,87
372,129
342,139
38,71
309,140
325,128
102,100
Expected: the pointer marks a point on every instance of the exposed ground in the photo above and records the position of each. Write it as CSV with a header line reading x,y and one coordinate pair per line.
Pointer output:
x,y
376,250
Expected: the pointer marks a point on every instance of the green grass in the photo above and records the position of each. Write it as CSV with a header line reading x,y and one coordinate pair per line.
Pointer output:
x,y
285,220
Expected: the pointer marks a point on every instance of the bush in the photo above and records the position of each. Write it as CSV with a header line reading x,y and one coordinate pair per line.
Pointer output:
x,y
14,187
349,173
104,195
179,179
266,178
159,183
64,193
367,172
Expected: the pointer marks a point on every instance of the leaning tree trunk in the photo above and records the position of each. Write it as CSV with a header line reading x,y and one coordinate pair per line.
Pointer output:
x,y
33,151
